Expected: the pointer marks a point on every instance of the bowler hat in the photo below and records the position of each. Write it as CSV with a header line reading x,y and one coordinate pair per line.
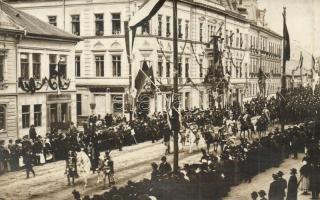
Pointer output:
x,y
280,173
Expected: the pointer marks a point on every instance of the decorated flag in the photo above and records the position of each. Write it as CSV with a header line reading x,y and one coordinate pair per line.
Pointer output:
x,y
148,10
144,79
286,39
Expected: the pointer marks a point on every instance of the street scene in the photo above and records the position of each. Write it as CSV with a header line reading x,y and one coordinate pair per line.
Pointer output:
x,y
159,100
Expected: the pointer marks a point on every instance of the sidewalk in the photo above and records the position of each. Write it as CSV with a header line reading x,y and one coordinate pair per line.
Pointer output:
x,y
263,180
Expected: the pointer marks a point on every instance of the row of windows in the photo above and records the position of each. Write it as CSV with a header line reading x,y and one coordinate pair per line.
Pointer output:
x,y
164,69
267,66
57,65
37,115
265,45
100,65
99,23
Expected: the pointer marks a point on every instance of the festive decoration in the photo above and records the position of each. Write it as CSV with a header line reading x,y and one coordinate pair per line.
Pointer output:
x,y
55,82
31,85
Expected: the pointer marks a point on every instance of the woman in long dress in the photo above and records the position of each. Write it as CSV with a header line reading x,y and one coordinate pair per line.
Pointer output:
x,y
305,177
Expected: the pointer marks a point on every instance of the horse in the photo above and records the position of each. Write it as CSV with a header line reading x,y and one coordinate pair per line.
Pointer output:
x,y
211,137
262,125
83,166
246,126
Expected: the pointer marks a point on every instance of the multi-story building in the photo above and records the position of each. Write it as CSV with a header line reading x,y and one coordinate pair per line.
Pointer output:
x,y
265,50
30,50
102,69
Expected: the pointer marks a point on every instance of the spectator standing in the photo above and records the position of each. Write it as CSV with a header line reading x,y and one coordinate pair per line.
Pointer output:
x,y
315,181
274,189
32,133
292,193
282,184
165,167
305,172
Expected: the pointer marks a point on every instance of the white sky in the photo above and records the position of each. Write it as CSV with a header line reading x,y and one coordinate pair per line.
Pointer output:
x,y
303,21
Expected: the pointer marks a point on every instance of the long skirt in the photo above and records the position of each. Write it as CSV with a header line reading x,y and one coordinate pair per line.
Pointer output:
x,y
304,184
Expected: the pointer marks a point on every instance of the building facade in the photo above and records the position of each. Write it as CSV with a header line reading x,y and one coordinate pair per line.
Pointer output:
x,y
101,64
31,50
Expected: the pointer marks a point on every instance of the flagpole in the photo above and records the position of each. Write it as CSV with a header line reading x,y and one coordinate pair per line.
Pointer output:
x,y
175,90
283,80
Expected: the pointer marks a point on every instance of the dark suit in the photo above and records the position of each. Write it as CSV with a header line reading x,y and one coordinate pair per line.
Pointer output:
x,y
165,168
292,188
275,191
283,186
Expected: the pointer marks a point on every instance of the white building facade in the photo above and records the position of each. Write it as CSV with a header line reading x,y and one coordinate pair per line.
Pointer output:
x,y
101,64
29,48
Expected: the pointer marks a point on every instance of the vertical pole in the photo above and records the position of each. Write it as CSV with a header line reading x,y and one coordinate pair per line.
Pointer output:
x,y
301,76
283,81
175,90
64,15
128,47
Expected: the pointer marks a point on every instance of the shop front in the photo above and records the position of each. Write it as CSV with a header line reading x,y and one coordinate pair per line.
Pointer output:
x,y
108,100
58,111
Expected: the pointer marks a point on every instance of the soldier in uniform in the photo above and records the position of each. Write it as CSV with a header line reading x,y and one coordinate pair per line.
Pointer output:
x,y
28,161
109,169
71,166
106,166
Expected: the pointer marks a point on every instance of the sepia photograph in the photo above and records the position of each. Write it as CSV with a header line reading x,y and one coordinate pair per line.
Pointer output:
x,y
159,100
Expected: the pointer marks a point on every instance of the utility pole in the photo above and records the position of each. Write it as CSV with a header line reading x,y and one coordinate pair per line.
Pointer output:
x,y
175,104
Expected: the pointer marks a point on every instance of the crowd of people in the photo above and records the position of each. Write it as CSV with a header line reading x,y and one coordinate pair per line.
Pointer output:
x,y
213,176
302,104
308,180
236,163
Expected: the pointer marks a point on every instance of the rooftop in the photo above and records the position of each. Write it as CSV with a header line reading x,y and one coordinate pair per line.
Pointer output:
x,y
33,26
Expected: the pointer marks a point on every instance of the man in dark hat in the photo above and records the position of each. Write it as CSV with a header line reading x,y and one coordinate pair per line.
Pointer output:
x,y
282,185
254,195
292,185
262,195
165,167
274,189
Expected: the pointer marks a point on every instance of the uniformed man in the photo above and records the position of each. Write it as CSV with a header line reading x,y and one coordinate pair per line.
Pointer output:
x,y
28,161
71,166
